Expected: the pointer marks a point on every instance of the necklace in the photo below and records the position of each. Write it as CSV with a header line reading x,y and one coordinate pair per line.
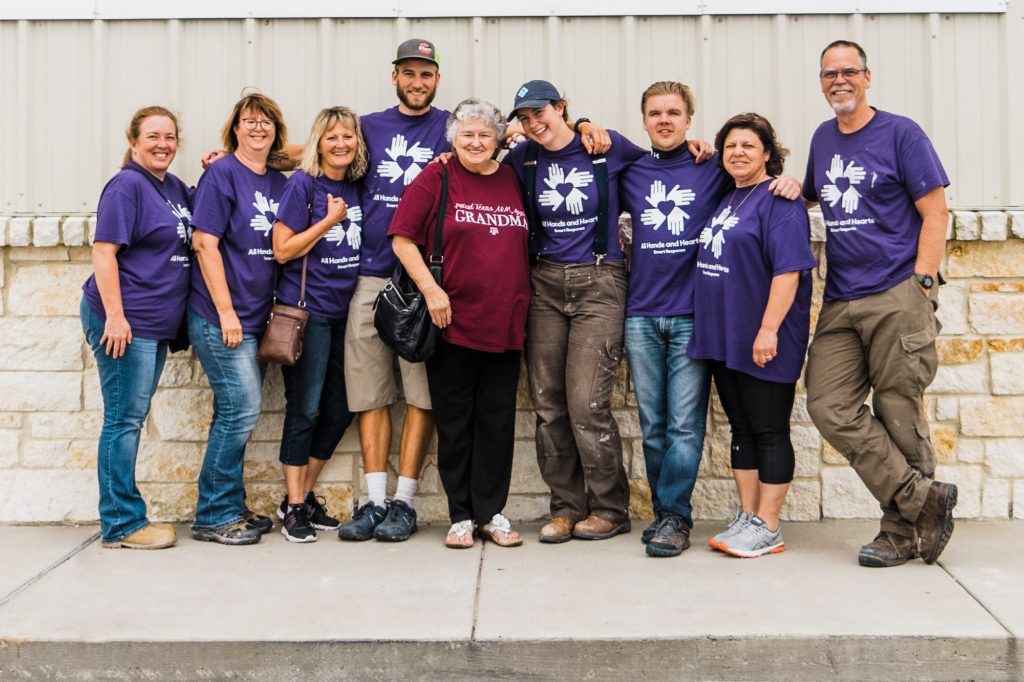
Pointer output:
x,y
733,197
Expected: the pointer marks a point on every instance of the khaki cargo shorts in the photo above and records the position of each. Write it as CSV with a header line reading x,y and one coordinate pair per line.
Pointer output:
x,y
370,380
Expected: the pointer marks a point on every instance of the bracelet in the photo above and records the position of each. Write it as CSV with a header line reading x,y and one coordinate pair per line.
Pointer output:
x,y
576,125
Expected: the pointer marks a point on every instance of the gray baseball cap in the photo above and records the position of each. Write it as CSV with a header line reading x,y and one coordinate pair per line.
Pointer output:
x,y
417,48
534,95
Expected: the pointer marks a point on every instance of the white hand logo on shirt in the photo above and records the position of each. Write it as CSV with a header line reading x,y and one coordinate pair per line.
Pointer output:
x,y
184,217
353,234
562,187
851,175
262,222
667,205
404,161
708,236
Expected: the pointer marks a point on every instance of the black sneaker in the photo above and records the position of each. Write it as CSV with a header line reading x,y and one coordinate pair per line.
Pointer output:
x,y
318,516
363,523
649,531
296,526
399,524
262,523
283,508
671,537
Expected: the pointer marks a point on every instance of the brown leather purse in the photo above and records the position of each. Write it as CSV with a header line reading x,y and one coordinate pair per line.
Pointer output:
x,y
282,340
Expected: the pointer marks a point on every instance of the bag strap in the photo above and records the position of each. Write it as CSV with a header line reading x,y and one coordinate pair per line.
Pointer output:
x,y
436,257
530,187
601,235
302,281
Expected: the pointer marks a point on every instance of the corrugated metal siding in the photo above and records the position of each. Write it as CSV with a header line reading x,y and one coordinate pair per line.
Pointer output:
x,y
69,87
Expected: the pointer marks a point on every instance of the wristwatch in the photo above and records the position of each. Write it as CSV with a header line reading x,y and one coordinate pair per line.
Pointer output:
x,y
925,280
579,121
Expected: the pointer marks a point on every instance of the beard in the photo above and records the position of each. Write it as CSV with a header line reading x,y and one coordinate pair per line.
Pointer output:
x,y
404,99
847,106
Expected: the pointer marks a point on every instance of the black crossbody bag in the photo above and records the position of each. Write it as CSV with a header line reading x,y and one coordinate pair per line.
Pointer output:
x,y
400,311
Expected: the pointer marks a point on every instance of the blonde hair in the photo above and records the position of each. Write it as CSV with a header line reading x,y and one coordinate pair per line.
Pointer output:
x,y
325,121
256,103
669,88
135,126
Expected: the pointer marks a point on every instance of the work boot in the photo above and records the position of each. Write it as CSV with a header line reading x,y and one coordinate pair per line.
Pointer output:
x,y
151,536
935,522
887,549
558,529
596,527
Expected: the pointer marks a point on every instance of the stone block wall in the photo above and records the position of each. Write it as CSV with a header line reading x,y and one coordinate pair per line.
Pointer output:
x,y
50,405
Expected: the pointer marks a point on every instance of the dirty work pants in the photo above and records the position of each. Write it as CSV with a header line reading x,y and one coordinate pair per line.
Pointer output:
x,y
883,343
574,343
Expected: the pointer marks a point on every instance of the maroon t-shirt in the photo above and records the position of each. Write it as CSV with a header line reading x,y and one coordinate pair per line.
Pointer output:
x,y
486,263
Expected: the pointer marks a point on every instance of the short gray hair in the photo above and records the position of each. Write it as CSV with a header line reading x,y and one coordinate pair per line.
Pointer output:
x,y
473,109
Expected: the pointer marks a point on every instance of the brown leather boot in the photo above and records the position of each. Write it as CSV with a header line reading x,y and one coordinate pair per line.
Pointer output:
x,y
887,549
596,527
558,529
935,522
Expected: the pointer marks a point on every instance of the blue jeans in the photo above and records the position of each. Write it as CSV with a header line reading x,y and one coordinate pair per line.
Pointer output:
x,y
127,384
316,413
235,378
672,396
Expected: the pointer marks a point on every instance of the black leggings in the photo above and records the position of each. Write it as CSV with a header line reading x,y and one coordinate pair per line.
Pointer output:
x,y
758,413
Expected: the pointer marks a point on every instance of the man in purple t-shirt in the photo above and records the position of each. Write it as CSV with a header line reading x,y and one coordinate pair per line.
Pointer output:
x,y
881,189
401,141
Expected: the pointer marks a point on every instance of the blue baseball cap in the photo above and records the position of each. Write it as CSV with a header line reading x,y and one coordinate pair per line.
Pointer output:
x,y
534,95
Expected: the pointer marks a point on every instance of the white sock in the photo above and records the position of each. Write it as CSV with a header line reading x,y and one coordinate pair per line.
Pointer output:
x,y
377,487
406,489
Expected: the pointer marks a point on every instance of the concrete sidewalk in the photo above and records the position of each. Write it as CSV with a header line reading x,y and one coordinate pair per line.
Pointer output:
x,y
582,610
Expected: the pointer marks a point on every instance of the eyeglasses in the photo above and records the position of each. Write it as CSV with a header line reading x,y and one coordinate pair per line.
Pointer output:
x,y
848,73
254,123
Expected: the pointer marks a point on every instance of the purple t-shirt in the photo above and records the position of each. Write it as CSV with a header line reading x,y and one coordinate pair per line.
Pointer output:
x,y
239,207
748,241
566,196
153,262
400,146
333,263
670,198
866,183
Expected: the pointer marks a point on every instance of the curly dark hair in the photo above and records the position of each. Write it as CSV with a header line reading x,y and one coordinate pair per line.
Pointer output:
x,y
760,126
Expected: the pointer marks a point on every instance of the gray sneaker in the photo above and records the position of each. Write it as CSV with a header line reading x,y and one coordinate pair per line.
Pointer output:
x,y
754,540
738,523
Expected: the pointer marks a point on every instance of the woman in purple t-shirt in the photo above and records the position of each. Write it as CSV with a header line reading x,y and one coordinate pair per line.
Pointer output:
x,y
481,306
317,237
131,307
232,289
751,319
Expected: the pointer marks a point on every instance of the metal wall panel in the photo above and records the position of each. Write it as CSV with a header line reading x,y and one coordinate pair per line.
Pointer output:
x,y
69,87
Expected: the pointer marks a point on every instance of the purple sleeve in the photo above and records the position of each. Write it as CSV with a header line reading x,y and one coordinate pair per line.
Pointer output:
x,y
417,208
295,202
623,152
116,215
212,203
922,170
515,158
809,193
788,238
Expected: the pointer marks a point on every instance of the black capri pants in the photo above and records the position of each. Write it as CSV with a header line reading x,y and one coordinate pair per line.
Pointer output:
x,y
758,413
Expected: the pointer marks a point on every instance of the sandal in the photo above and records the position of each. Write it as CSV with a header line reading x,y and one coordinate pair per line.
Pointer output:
x,y
499,531
460,535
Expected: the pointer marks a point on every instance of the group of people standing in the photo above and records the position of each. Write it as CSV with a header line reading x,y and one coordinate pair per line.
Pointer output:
x,y
713,283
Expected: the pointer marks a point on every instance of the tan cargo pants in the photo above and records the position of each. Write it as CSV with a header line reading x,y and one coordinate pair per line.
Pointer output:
x,y
883,344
